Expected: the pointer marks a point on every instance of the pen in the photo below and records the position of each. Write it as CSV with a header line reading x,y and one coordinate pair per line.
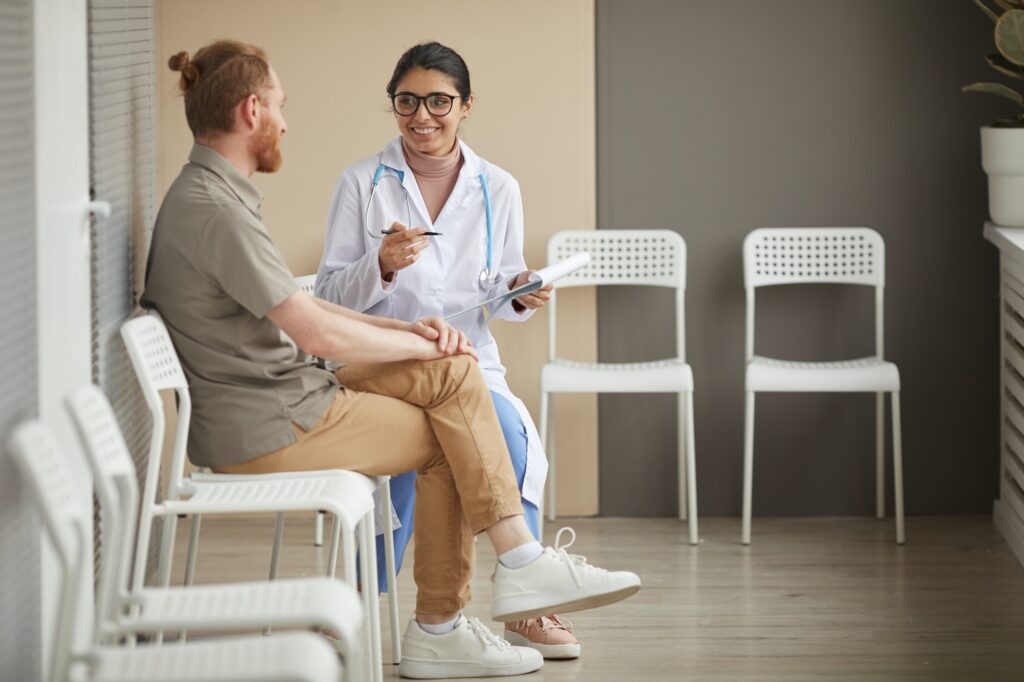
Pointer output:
x,y
424,234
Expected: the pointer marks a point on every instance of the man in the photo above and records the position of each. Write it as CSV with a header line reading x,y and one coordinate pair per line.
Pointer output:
x,y
410,397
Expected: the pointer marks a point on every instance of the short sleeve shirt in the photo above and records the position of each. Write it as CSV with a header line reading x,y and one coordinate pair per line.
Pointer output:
x,y
213,274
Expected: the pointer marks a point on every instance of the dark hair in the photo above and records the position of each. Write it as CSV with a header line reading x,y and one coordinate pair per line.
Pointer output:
x,y
432,56
216,79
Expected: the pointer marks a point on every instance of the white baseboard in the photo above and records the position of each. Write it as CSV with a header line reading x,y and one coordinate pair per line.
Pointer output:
x,y
1011,527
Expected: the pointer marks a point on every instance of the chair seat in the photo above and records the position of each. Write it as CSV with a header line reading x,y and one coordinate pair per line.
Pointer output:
x,y
370,482
347,496
292,656
301,602
868,375
660,376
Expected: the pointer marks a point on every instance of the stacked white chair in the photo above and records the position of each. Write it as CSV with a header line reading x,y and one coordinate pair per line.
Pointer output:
x,y
347,496
625,257
854,255
287,657
320,602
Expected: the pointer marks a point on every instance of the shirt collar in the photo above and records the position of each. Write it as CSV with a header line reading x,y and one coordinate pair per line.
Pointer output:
x,y
212,161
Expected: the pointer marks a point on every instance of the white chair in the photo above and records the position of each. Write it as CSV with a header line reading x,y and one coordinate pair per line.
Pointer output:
x,y
286,657
308,284
853,255
347,496
309,602
625,257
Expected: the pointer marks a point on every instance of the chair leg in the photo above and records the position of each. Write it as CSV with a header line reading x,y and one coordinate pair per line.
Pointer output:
x,y
371,593
318,529
897,466
389,561
691,472
748,465
193,549
880,455
163,571
681,470
547,430
275,552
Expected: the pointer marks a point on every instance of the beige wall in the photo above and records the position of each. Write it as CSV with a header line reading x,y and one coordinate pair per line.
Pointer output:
x,y
532,66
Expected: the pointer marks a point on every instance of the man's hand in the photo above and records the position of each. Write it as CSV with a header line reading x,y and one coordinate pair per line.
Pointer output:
x,y
449,339
400,249
534,299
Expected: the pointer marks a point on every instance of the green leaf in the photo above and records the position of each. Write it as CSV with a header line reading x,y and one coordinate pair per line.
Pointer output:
x,y
1010,36
996,89
1004,65
1010,4
985,8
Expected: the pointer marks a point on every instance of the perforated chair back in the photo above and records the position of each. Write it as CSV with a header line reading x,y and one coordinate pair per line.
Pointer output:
x,y
115,484
792,255
43,466
152,354
157,368
647,257
308,283
813,255
622,257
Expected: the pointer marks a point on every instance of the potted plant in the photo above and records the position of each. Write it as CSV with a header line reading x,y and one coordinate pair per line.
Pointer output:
x,y
1002,143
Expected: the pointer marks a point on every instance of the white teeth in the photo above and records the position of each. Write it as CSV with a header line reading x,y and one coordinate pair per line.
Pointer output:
x,y
424,131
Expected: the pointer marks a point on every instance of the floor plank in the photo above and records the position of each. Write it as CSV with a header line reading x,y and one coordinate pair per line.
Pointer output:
x,y
810,599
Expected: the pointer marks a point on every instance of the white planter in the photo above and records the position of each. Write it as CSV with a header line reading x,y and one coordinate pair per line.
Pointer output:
x,y
1002,157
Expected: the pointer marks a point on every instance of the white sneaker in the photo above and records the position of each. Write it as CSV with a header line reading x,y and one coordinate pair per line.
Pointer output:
x,y
557,582
470,650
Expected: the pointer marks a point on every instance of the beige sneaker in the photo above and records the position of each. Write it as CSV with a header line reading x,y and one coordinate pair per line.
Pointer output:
x,y
550,635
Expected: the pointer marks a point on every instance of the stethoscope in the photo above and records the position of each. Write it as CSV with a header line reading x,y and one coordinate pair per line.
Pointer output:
x,y
488,276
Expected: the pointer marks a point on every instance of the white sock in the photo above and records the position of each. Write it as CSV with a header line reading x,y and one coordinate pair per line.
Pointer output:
x,y
440,628
520,556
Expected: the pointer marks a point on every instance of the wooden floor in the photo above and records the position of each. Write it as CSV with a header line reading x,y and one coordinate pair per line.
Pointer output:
x,y
831,599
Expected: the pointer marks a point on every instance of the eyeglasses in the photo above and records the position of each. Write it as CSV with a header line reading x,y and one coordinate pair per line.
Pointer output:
x,y
438,103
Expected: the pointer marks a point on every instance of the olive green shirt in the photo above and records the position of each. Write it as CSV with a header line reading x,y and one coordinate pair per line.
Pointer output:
x,y
213,274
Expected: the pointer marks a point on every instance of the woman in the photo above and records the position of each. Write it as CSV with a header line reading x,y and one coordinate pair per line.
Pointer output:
x,y
466,248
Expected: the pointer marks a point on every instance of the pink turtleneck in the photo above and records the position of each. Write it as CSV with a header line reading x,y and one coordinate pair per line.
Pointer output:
x,y
435,175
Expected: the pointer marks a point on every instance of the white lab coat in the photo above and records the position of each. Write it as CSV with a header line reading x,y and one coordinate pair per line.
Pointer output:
x,y
445,278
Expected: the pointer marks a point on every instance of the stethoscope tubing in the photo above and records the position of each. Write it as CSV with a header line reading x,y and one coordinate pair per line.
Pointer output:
x,y
488,278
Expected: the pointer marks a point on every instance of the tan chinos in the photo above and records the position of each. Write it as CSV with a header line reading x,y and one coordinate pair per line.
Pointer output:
x,y
436,417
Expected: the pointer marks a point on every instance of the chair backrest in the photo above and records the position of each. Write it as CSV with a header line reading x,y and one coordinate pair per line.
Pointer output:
x,y
813,255
308,283
622,257
39,460
157,368
114,482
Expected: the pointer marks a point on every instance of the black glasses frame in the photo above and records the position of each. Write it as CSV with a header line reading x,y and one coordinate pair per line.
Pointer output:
x,y
423,101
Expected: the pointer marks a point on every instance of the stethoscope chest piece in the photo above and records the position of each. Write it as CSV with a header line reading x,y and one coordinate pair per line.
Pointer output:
x,y
487,278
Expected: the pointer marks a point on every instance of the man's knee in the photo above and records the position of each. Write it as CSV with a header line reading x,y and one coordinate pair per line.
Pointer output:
x,y
458,367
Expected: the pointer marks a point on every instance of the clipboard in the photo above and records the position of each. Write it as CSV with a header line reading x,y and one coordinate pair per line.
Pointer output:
x,y
537,280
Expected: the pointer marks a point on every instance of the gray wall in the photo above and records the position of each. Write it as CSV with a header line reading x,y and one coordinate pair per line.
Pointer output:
x,y
718,117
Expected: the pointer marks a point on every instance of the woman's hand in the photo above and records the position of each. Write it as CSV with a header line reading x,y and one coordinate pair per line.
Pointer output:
x,y
534,299
449,339
400,249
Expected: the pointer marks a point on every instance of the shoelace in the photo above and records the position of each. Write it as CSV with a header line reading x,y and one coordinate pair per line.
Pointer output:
x,y
577,563
554,622
485,635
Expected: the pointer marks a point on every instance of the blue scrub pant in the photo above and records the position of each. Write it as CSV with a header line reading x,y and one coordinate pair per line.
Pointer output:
x,y
403,489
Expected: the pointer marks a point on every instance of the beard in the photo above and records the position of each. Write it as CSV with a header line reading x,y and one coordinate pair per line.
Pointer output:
x,y
267,144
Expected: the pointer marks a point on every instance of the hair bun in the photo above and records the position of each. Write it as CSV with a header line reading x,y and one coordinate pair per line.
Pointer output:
x,y
189,73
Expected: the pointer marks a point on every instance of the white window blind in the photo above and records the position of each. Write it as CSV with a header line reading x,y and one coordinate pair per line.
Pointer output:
x,y
123,173
20,534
